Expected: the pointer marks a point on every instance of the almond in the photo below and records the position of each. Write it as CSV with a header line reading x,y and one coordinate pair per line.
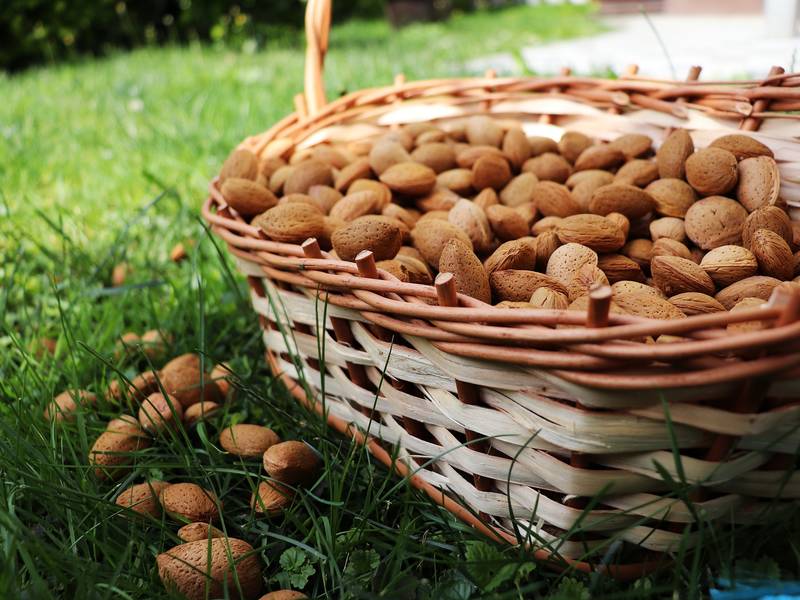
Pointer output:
x,y
728,264
291,223
292,463
621,221
385,154
519,190
632,145
592,231
279,177
223,376
619,268
439,157
514,254
433,136
638,172
159,413
742,146
584,279
471,277
396,268
408,217
490,172
125,424
429,237
434,215
671,156
356,205
675,275
643,304
715,221
768,217
747,326
545,224
268,166
583,191
440,200
184,380
216,568
506,223
567,259
670,247
466,156
194,532
757,286
331,156
628,200
695,303
458,181
482,130
410,178
548,167
518,286
635,287
540,145
247,440
358,169
64,407
370,185
415,268
579,177
188,502
671,197
473,221
759,182
308,173
509,304
247,197
240,163
271,498
668,227
546,244
113,451
773,254
599,157
640,251
712,171
142,497
200,412
572,144
372,232
554,200
545,297
486,197
516,147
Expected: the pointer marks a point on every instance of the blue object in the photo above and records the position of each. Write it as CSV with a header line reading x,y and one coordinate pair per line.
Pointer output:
x,y
756,590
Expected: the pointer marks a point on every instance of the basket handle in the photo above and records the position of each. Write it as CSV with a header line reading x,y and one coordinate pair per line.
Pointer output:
x,y
318,27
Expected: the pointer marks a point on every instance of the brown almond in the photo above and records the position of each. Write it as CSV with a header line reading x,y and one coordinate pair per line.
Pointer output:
x,y
757,286
490,172
142,497
370,185
621,221
458,181
409,178
473,221
592,231
515,254
485,198
358,169
440,200
675,275
579,177
671,197
643,304
439,157
125,424
545,224
408,217
768,217
672,154
619,268
715,221
247,440
601,156
267,166
471,278
545,297
640,251
194,532
638,172
759,183
554,200
670,247
584,279
506,223
540,145
356,205
159,413
635,287
247,197
742,146
567,259
65,406
114,450
548,167
331,156
632,145
572,144
712,171
583,191
240,163
293,223
416,268
628,200
466,156
695,303
387,153
516,147
546,244
372,232
430,237
728,264
434,136
308,173
279,178
200,412
483,130
188,502
773,254
519,190
519,285
668,227
271,498
748,326
324,196
184,380
292,463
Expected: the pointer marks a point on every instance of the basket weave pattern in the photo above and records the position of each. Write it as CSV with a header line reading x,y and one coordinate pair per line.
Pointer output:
x,y
521,414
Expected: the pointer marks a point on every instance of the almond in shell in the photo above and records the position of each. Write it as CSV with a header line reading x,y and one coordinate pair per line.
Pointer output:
x,y
715,221
602,156
65,406
584,279
759,182
672,154
516,147
247,440
768,217
490,172
114,450
483,130
674,275
712,171
518,285
271,498
470,276
292,223
200,412
376,233
619,268
638,172
458,181
241,163
430,237
567,259
728,264
514,254
519,190
292,463
748,326
548,167
593,231
757,286
247,197
643,304
671,197
355,205
668,227
386,153
438,156
742,146
773,254
572,144
545,297
473,221
633,145
506,223
696,303
188,502
554,200
628,200
142,497
409,178
194,532
308,173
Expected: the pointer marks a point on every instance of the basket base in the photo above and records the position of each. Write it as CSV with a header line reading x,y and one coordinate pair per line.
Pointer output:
x,y
620,572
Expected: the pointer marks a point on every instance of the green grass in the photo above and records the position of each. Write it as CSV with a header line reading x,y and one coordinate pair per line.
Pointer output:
x,y
108,161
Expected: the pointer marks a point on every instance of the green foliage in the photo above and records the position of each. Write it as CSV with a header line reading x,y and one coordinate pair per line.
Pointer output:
x,y
297,569
570,589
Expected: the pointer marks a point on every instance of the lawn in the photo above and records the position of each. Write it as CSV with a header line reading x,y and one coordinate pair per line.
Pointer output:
x,y
107,161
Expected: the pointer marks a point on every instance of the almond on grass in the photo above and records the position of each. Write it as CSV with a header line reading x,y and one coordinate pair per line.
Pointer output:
x,y
271,498
742,146
554,200
65,406
671,197
470,276
672,154
768,217
759,183
619,268
284,595
115,450
291,223
240,163
473,221
675,275
518,286
519,190
632,145
200,412
514,254
601,156
247,440
292,463
247,197
409,178
516,147
188,502
757,286
638,172
593,231
715,221
430,237
548,167
567,259
712,171
545,297
506,223
490,172
371,232
159,413
627,200
572,144
439,157
773,254
199,531
695,303
729,264
184,380
142,497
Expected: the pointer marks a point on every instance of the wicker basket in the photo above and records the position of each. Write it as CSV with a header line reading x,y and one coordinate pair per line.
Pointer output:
x,y
505,419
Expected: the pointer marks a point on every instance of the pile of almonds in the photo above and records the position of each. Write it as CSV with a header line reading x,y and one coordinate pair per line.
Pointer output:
x,y
529,222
